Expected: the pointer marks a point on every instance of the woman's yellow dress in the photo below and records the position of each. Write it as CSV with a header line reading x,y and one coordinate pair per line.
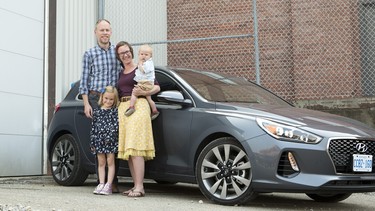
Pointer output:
x,y
135,131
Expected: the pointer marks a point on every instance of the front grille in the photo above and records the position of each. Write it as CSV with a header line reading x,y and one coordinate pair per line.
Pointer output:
x,y
342,150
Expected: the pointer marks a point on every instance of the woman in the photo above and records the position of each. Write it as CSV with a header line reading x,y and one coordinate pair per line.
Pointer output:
x,y
136,143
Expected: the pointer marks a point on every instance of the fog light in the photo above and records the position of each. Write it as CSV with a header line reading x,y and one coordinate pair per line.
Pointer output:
x,y
293,161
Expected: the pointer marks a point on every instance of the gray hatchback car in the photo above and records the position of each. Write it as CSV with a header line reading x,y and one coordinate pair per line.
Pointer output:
x,y
233,138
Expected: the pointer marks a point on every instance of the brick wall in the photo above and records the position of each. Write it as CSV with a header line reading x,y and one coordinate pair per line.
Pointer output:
x,y
200,19
308,48
325,59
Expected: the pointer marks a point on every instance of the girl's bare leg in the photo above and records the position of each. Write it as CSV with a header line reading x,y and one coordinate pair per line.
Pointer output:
x,y
101,167
111,167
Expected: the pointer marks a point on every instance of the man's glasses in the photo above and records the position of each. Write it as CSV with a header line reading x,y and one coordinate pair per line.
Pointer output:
x,y
123,53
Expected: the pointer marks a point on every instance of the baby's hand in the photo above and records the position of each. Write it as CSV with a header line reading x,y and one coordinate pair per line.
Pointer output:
x,y
140,61
140,67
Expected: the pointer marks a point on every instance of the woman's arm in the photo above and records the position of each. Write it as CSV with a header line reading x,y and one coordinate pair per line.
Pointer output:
x,y
139,92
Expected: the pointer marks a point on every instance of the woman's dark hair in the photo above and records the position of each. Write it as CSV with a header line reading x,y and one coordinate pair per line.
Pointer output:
x,y
123,43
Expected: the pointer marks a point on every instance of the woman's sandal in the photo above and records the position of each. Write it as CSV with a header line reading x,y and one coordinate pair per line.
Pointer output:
x,y
125,193
136,193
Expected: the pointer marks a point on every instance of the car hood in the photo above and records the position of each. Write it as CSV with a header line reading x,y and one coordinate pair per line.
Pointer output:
x,y
314,121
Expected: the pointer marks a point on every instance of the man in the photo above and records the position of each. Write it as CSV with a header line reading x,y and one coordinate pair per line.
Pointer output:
x,y
100,69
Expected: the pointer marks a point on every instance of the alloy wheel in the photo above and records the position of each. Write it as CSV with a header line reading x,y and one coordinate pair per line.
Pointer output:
x,y
224,172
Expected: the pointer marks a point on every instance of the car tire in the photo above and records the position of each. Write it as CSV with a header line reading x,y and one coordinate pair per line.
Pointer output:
x,y
223,172
332,198
66,164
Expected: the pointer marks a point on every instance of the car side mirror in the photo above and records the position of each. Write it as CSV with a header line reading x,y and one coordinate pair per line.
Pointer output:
x,y
173,96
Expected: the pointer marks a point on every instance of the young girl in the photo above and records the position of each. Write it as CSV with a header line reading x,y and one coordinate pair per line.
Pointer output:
x,y
104,137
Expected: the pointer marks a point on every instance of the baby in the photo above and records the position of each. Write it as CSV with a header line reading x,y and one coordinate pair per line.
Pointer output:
x,y
144,76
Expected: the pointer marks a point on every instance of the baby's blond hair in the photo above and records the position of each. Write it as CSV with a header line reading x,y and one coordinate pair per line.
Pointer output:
x,y
146,48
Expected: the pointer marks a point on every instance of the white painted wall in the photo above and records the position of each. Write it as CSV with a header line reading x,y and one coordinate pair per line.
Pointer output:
x,y
75,24
21,87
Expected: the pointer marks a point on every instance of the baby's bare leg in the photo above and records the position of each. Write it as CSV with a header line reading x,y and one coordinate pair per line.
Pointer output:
x,y
152,103
133,99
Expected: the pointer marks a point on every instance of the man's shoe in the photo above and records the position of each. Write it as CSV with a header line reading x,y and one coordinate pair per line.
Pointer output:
x,y
115,188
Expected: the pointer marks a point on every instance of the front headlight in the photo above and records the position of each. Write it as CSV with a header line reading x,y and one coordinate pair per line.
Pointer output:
x,y
286,132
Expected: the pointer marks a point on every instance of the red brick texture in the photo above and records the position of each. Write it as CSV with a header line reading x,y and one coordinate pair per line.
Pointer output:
x,y
309,49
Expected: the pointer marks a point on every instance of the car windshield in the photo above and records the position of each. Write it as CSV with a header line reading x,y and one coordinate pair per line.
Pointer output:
x,y
224,88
